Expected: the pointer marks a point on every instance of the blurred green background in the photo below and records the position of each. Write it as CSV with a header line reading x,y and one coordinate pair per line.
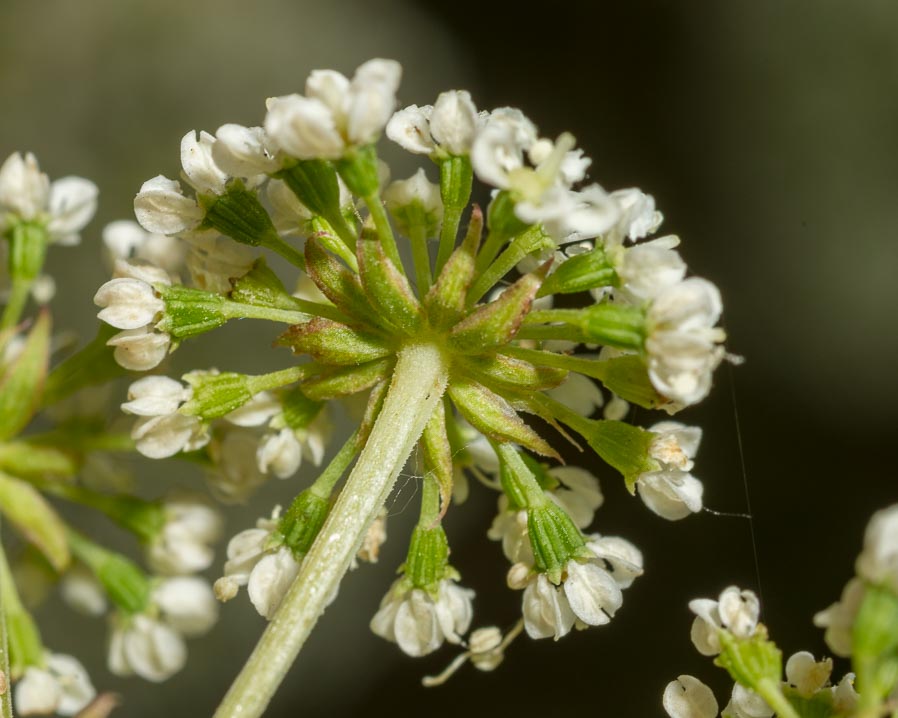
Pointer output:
x,y
767,131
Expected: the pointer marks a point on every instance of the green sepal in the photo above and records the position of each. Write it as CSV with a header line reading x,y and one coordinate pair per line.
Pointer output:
x,y
239,214
427,562
751,660
314,182
437,455
22,384
215,395
581,273
622,446
555,540
261,287
493,416
301,523
298,410
35,519
93,364
620,326
126,585
333,343
501,371
874,644
496,323
189,312
28,244
627,377
358,168
447,298
347,381
386,287
338,284
33,461
25,646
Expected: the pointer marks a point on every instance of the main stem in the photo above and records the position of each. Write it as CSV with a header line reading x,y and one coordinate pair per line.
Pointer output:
x,y
418,383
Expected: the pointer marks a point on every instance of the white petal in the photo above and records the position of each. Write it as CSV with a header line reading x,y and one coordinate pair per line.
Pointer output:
x,y
74,682
187,604
72,204
304,127
155,396
745,703
243,151
257,411
328,86
739,611
592,592
153,650
161,207
24,189
546,610
416,627
140,349
410,129
453,610
806,674
37,693
623,558
454,121
280,454
270,580
688,697
672,494
158,437
128,303
199,165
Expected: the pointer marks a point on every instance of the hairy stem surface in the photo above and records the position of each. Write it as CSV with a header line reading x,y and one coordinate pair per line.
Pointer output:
x,y
417,386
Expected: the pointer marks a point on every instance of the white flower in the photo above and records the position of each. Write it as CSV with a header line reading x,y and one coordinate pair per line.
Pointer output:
x,y
419,623
688,697
736,611
845,698
510,527
198,165
838,619
162,431
128,303
878,562
61,686
125,239
279,454
638,217
184,543
336,113
621,558
416,190
579,393
745,703
270,579
147,647
236,473
546,610
682,343
807,675
449,126
499,149
63,207
186,604
161,207
213,261
140,349
579,493
649,268
672,492
244,151
82,592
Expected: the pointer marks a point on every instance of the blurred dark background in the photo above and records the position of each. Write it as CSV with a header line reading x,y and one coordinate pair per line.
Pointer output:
x,y
767,132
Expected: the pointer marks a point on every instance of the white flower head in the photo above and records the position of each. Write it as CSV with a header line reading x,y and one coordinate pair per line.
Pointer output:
x,y
184,543
213,261
187,604
236,472
62,686
683,343
140,349
335,113
82,592
279,453
447,127
161,430
64,206
147,647
638,216
125,239
806,674
621,558
745,703
244,151
838,619
878,562
649,268
736,611
670,493
418,622
688,697
510,527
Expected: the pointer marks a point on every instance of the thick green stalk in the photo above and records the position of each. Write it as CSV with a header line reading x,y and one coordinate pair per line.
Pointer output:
x,y
418,383
5,678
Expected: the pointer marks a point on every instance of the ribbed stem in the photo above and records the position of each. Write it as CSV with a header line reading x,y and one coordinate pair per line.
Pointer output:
x,y
418,383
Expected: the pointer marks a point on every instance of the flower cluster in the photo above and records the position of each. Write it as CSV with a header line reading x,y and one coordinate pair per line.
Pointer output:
x,y
860,626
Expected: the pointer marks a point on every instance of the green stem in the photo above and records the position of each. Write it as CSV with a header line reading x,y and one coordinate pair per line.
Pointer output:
x,y
5,673
548,316
277,379
448,235
324,484
771,692
325,232
418,383
534,239
564,332
430,503
143,518
236,310
384,230
421,258
524,481
92,364
594,368
490,249
15,305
